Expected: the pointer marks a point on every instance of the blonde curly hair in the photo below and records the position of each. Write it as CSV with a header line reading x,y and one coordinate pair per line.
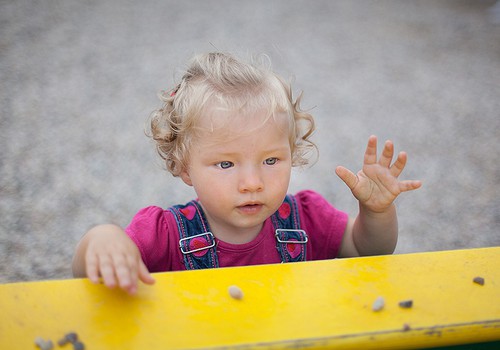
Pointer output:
x,y
233,85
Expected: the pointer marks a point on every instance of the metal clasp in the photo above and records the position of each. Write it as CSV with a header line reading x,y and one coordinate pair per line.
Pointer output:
x,y
208,234
302,233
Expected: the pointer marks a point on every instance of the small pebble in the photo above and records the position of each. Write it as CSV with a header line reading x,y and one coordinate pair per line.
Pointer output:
x,y
235,292
406,304
71,337
44,345
39,341
78,345
378,304
62,341
478,280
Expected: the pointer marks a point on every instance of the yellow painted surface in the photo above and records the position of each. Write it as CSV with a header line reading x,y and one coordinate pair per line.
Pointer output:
x,y
312,305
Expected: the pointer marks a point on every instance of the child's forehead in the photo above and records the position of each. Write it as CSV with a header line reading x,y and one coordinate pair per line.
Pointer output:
x,y
225,129
216,117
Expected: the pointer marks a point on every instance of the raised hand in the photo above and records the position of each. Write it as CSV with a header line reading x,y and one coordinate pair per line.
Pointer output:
x,y
376,186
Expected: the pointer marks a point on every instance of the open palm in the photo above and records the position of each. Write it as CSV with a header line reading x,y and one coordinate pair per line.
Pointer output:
x,y
377,185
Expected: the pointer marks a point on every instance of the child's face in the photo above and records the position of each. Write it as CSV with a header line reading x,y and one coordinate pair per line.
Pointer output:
x,y
240,169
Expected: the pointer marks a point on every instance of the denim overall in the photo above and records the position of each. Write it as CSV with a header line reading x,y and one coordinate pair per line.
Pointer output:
x,y
198,244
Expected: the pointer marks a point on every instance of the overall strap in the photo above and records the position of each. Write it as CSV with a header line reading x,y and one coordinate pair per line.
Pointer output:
x,y
290,239
196,243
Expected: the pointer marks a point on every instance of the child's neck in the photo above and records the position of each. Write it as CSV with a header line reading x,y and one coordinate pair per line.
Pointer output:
x,y
235,235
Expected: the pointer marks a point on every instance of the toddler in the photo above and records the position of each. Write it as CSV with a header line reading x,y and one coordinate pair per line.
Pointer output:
x,y
232,131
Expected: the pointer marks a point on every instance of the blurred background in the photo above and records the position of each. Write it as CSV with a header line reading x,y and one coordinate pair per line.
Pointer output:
x,y
78,80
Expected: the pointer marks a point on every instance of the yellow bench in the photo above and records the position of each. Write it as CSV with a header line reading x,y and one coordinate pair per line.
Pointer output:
x,y
310,305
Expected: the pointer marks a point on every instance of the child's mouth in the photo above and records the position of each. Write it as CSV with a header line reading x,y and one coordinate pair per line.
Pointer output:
x,y
250,208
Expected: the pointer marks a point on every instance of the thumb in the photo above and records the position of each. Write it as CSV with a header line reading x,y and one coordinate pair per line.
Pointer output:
x,y
350,179
144,274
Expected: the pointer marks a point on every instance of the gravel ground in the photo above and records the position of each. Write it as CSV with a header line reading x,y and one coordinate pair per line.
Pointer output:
x,y
79,79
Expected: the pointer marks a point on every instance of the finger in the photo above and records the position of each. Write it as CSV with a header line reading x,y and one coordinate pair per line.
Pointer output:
x,y
144,274
107,272
125,273
371,150
91,268
387,154
409,185
399,164
350,179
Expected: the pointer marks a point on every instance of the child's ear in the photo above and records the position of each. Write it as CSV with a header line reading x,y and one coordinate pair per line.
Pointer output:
x,y
186,178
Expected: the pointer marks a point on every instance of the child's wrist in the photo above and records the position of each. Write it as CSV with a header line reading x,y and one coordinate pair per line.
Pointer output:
x,y
366,210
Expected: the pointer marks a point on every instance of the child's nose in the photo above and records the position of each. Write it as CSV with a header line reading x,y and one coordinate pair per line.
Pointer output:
x,y
251,180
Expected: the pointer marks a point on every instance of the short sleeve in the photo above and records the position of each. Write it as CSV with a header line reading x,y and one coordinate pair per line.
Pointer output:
x,y
324,224
148,230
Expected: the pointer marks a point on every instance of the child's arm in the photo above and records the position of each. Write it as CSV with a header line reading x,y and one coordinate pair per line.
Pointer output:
x,y
376,186
106,251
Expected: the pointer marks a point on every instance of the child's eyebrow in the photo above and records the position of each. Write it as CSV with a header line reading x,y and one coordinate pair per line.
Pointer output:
x,y
228,154
224,154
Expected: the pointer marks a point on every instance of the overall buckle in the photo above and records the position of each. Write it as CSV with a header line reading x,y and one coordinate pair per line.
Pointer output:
x,y
210,241
301,233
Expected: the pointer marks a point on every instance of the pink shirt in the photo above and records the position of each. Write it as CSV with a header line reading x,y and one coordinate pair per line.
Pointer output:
x,y
154,231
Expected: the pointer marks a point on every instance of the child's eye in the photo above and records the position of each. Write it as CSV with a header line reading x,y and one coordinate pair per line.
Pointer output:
x,y
271,161
225,165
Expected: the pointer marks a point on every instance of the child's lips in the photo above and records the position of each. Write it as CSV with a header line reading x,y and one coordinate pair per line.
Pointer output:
x,y
250,208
